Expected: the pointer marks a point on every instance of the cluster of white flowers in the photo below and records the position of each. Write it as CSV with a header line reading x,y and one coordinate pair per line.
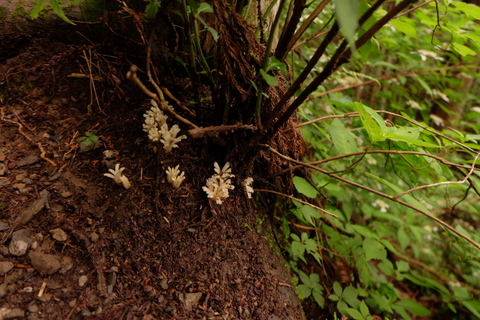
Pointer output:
x,y
174,176
118,176
218,185
157,128
247,183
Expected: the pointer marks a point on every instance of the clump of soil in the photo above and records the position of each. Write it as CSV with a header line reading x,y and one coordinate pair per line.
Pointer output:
x,y
74,245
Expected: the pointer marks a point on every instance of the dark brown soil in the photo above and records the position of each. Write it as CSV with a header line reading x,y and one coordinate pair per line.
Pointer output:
x,y
149,252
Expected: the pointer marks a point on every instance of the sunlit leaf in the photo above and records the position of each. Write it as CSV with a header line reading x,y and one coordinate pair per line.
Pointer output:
x,y
347,13
38,8
463,50
58,10
304,187
270,80
374,249
414,307
343,139
404,27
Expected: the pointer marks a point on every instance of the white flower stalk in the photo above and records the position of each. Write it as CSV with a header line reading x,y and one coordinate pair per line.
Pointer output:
x,y
154,119
118,176
169,137
219,184
175,177
247,183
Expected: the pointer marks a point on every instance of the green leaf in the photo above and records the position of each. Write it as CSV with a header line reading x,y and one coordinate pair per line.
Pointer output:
x,y
333,297
403,238
355,314
473,307
305,279
38,7
298,249
318,297
337,288
304,187
373,128
414,307
204,7
270,80
304,291
343,139
347,13
152,9
364,231
58,10
275,64
364,309
404,27
463,50
349,295
309,214
374,249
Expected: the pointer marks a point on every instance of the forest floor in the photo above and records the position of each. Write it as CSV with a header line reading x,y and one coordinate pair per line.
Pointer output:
x,y
73,244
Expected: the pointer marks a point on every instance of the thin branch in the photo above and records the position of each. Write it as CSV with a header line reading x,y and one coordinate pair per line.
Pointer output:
x,y
384,195
443,182
299,200
132,75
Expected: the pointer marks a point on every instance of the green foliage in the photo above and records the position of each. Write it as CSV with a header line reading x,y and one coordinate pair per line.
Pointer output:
x,y
89,142
404,144
55,7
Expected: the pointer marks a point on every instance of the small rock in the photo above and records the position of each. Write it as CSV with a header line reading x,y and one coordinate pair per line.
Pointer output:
x,y
14,314
20,176
67,264
27,181
191,300
2,156
56,207
45,298
82,280
44,263
164,284
59,235
3,169
26,215
5,266
28,160
20,243
32,308
94,237
66,194
19,186
55,176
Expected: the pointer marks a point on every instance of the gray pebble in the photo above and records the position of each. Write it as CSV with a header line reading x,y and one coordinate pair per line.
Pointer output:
x,y
164,284
3,289
82,280
67,264
5,266
20,243
3,225
191,300
32,308
44,263
59,235
28,160
14,314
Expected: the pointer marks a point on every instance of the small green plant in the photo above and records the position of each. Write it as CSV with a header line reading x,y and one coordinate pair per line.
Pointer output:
x,y
89,142
55,7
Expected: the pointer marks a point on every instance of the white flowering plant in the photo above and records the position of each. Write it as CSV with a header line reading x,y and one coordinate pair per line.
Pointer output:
x,y
174,176
218,185
117,176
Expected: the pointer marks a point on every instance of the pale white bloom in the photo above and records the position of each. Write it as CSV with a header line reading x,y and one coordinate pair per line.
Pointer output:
x,y
381,204
174,176
424,54
218,185
439,94
414,104
118,176
437,120
476,109
154,119
225,172
247,183
169,137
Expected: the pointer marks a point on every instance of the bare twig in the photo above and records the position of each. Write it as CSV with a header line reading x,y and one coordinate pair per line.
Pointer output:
x,y
443,182
299,200
132,75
